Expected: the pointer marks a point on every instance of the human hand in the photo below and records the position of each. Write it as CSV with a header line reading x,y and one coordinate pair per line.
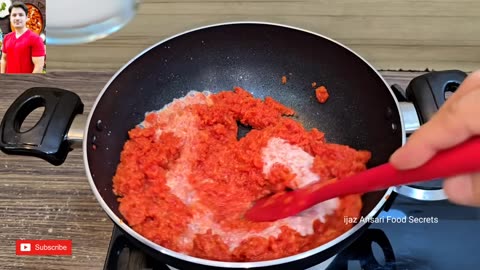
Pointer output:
x,y
455,122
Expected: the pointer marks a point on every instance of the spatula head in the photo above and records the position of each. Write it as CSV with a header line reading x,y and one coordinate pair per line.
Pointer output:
x,y
285,204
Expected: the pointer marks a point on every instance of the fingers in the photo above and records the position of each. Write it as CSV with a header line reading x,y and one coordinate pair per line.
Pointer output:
x,y
454,123
464,189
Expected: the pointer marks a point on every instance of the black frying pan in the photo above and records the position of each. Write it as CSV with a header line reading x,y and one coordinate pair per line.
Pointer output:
x,y
362,112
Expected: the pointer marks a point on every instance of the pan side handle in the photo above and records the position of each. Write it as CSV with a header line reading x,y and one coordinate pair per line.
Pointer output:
x,y
422,98
429,91
425,95
48,139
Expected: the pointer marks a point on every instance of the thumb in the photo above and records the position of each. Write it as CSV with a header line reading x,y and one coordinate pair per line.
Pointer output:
x,y
463,189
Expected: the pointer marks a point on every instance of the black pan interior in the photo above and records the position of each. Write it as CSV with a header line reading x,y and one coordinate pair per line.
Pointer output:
x,y
360,112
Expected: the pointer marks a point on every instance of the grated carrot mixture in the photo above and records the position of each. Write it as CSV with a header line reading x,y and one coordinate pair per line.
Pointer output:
x,y
184,180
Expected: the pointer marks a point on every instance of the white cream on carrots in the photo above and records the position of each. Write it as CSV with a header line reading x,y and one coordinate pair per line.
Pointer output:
x,y
300,163
174,118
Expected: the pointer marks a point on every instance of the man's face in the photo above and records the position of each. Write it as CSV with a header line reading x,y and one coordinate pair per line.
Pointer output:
x,y
18,18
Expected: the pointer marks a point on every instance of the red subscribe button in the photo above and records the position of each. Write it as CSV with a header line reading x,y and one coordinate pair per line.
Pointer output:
x,y
44,247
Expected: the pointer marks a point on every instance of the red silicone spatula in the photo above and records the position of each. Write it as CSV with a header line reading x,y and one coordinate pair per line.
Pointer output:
x,y
461,159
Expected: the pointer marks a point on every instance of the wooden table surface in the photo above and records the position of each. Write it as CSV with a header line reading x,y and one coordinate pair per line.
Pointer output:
x,y
392,35
42,201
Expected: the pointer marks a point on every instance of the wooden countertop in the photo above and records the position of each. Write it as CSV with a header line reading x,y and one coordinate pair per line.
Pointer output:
x,y
42,201
392,35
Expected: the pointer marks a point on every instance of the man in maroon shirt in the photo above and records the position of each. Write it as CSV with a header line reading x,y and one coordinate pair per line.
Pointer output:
x,y
23,50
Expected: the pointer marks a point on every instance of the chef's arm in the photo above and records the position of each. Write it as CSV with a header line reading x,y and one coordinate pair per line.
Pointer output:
x,y
3,63
38,62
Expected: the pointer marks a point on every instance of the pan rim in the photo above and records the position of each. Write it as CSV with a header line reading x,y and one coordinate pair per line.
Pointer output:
x,y
222,264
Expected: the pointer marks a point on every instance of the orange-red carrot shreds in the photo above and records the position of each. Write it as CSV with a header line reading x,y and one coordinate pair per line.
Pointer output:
x,y
321,94
185,164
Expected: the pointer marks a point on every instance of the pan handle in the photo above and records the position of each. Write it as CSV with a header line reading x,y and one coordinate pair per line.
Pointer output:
x,y
48,138
424,95
422,98
429,92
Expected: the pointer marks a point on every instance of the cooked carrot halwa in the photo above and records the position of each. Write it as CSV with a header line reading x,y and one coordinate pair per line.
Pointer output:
x,y
185,180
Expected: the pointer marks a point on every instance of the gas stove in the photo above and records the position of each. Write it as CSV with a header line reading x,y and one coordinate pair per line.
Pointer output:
x,y
407,234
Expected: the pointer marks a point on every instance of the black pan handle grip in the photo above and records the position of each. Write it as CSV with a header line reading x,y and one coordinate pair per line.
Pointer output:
x,y
428,92
47,139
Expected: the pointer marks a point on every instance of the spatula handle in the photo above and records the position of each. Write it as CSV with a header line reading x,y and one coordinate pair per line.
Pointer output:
x,y
461,159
